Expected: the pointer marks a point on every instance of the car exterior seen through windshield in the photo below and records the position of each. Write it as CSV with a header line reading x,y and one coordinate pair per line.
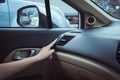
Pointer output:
x,y
112,7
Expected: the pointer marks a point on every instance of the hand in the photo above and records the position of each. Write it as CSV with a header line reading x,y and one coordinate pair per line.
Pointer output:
x,y
46,52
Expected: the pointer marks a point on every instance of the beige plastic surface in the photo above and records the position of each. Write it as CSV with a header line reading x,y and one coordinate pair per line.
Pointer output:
x,y
90,67
70,66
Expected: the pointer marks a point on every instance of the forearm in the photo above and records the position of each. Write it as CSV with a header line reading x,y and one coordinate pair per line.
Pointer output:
x,y
9,69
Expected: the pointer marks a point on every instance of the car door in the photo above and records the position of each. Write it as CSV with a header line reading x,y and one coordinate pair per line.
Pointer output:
x,y
89,53
19,43
26,40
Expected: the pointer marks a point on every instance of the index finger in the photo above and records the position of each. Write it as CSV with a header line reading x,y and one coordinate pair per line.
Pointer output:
x,y
52,43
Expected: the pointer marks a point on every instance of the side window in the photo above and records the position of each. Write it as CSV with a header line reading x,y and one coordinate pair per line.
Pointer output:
x,y
63,15
29,13
32,13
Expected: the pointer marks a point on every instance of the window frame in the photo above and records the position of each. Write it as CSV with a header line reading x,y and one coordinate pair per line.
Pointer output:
x,y
48,12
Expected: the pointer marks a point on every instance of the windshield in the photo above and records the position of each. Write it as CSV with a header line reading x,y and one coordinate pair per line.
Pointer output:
x,y
112,7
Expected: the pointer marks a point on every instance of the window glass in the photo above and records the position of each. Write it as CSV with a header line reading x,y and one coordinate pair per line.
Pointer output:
x,y
9,13
63,14
112,7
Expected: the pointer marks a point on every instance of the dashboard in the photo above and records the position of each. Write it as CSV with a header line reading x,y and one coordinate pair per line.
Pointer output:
x,y
99,44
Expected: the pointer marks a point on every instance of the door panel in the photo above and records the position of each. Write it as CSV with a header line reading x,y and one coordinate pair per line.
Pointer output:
x,y
28,38
14,38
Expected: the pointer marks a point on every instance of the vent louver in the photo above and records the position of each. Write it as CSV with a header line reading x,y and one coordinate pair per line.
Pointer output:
x,y
64,40
118,53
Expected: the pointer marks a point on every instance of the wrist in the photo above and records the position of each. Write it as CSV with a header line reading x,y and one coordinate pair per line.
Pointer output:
x,y
36,58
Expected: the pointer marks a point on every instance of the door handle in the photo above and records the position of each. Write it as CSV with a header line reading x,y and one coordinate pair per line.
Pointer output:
x,y
21,54
32,53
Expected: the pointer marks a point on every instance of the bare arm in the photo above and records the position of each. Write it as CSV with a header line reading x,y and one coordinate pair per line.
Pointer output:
x,y
9,69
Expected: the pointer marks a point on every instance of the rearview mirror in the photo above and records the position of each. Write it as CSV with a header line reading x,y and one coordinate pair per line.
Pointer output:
x,y
28,16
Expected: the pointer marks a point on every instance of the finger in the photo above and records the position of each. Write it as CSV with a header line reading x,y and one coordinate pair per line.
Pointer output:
x,y
52,43
51,51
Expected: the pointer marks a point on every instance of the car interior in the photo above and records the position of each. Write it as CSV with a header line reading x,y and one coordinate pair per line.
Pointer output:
x,y
90,52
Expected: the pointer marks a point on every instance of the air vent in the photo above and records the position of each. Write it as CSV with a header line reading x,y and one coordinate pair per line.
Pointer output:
x,y
64,40
118,53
